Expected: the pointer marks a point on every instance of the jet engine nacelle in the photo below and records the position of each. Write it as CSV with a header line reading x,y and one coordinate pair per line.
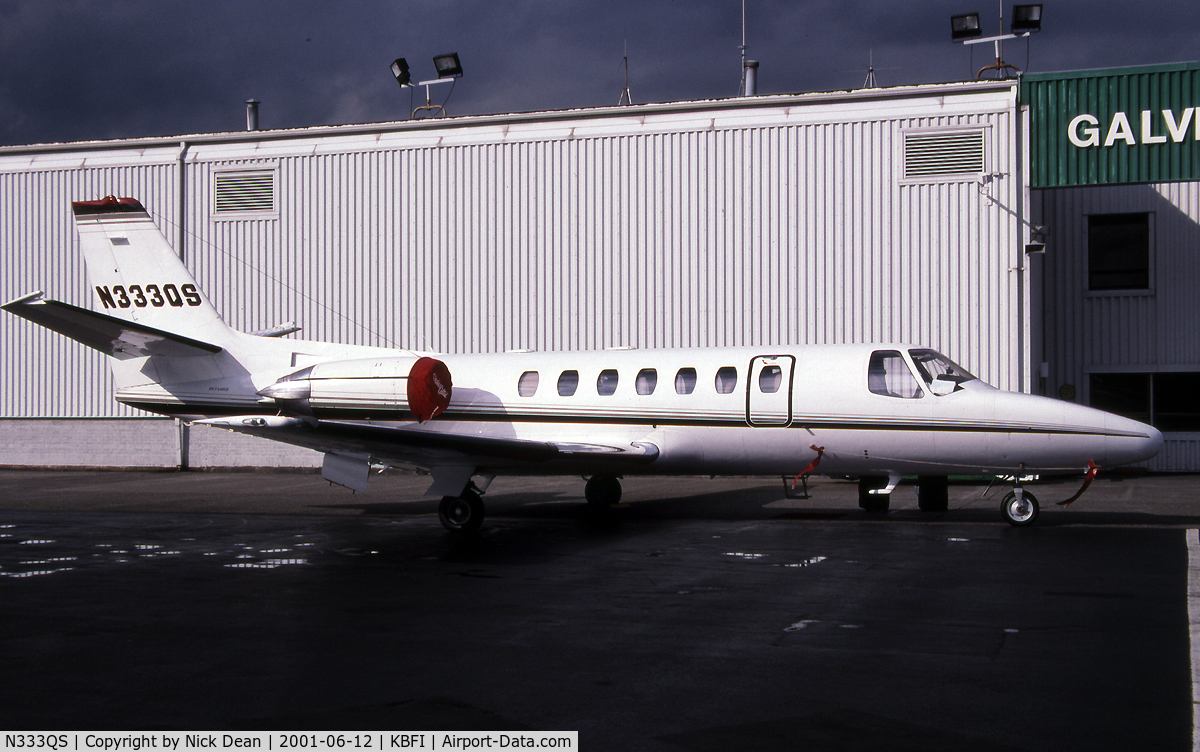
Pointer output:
x,y
376,388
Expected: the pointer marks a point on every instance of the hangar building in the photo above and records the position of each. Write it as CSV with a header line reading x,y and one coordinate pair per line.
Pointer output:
x,y
900,214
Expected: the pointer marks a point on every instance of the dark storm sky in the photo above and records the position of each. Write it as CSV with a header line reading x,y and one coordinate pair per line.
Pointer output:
x,y
72,70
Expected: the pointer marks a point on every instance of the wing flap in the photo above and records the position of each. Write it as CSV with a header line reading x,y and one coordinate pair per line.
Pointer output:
x,y
427,447
112,336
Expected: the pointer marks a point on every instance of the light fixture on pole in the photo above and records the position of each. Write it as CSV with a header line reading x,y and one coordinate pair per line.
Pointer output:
x,y
1026,19
448,67
449,70
400,71
965,26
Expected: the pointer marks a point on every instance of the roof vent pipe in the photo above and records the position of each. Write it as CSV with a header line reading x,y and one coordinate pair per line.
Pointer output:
x,y
751,75
251,114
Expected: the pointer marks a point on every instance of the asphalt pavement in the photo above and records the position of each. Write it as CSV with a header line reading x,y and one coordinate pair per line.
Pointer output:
x,y
704,614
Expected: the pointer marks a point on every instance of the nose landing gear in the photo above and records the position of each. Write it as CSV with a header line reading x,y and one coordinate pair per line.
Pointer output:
x,y
1019,507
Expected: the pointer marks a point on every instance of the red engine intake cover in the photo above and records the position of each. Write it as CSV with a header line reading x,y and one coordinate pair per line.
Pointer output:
x,y
429,388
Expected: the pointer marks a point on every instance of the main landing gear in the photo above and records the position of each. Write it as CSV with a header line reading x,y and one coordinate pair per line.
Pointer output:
x,y
602,492
933,493
461,514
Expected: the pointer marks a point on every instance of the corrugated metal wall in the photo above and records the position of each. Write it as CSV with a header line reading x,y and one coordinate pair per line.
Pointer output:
x,y
1107,332
781,221
44,374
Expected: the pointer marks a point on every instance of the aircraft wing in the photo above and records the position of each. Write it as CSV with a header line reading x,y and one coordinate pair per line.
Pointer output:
x,y
112,336
424,447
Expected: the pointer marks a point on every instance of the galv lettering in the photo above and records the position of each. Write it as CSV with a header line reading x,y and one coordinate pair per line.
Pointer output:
x,y
154,296
1084,130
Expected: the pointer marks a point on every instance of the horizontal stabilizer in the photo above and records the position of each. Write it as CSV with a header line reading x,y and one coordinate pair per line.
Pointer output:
x,y
112,336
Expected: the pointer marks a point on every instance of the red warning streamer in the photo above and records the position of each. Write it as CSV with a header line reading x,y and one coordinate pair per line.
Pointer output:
x,y
811,466
1093,468
429,388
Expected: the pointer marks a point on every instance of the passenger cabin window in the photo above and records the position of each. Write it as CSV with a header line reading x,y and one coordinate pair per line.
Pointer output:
x,y
770,379
568,382
606,382
726,380
888,375
528,383
647,379
685,381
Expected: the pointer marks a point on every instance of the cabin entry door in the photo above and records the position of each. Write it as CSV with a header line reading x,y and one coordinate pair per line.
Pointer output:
x,y
769,390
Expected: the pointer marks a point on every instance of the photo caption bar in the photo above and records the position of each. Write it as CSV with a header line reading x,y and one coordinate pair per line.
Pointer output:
x,y
286,741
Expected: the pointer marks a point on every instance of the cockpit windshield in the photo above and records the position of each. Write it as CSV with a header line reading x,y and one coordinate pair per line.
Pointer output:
x,y
933,366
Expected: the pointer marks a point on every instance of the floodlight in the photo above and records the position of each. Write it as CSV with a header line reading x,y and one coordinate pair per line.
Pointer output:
x,y
400,71
1026,18
965,26
448,65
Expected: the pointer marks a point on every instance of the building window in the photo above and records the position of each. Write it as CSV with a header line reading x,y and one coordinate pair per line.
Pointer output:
x,y
1125,394
1119,251
1175,404
1168,401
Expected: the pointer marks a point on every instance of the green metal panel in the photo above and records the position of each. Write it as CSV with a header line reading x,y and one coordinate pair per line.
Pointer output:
x,y
1116,125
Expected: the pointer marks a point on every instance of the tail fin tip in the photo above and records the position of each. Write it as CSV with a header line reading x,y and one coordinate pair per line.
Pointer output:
x,y
107,205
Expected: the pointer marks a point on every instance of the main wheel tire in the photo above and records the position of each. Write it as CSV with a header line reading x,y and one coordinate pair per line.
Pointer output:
x,y
870,502
1021,513
602,491
933,493
461,514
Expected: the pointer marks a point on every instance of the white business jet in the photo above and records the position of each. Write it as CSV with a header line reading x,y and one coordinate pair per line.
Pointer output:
x,y
875,412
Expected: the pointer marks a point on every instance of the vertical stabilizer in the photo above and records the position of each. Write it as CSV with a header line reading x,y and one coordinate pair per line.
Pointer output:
x,y
135,274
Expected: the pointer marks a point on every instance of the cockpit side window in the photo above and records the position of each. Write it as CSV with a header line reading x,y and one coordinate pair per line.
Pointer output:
x,y
935,367
888,375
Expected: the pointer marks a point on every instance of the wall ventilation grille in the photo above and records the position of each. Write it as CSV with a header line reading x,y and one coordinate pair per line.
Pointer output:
x,y
938,153
245,191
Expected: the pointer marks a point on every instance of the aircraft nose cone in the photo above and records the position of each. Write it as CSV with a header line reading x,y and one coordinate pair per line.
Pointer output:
x,y
1135,442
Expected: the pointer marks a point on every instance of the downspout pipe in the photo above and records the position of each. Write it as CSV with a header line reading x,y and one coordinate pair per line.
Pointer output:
x,y
185,431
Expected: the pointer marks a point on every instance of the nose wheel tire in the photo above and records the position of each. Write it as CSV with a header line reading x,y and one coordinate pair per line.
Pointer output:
x,y
1019,512
461,514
